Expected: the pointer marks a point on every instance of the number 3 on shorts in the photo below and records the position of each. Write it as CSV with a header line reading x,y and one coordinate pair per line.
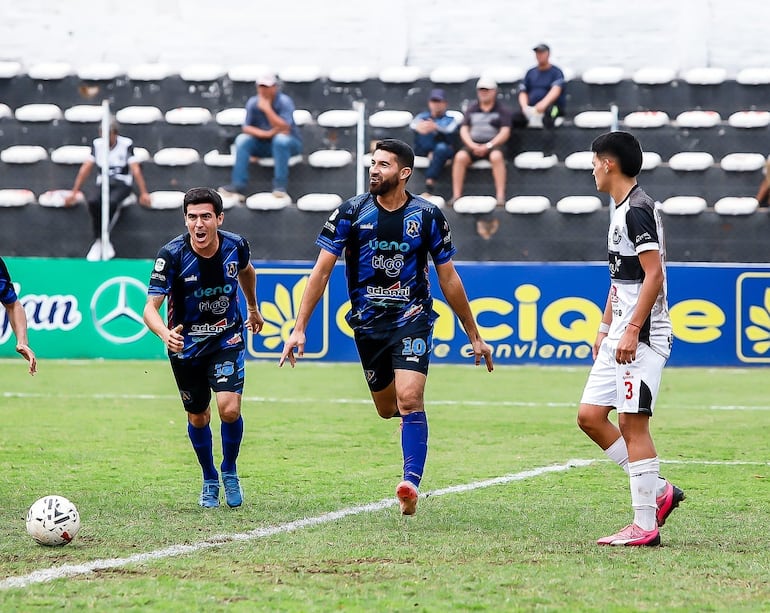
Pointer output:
x,y
629,390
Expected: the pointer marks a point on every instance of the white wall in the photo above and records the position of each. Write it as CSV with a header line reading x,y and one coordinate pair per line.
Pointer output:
x,y
681,33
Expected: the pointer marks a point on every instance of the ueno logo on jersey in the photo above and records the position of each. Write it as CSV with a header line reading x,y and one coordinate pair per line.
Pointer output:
x,y
206,330
388,246
213,291
391,266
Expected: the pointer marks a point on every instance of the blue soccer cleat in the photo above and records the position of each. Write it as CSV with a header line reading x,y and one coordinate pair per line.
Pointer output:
x,y
233,490
209,494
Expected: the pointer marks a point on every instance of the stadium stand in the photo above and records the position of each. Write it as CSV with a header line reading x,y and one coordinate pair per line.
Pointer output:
x,y
705,136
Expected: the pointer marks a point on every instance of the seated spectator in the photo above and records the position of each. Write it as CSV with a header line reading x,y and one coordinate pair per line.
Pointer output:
x,y
124,169
764,187
269,131
541,93
435,137
484,131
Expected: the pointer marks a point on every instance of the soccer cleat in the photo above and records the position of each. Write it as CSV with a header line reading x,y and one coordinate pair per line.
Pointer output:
x,y
633,535
209,494
233,490
667,502
407,495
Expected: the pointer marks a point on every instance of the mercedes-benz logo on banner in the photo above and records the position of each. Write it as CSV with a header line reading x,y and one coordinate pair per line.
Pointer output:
x,y
116,309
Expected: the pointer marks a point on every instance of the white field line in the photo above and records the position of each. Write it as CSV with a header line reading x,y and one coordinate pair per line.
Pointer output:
x,y
368,401
72,570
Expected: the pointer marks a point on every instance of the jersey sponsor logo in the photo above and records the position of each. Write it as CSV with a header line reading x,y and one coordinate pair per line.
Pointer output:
x,y
235,339
219,290
388,246
614,263
366,226
218,306
643,238
191,279
391,266
158,276
412,228
160,265
202,331
329,226
413,310
394,292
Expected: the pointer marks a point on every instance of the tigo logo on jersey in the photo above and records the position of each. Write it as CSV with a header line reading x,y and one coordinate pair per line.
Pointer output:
x,y
753,317
280,292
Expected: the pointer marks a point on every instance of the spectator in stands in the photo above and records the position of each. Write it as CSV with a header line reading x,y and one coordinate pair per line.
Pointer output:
x,y
541,93
17,317
124,169
485,129
764,188
269,131
435,136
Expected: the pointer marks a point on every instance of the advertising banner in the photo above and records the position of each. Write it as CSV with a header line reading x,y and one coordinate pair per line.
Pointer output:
x,y
544,313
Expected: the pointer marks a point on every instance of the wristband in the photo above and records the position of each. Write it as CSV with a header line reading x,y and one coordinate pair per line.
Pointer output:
x,y
490,145
252,309
604,328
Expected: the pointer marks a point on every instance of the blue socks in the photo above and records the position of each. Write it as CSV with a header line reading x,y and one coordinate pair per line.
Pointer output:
x,y
203,446
232,434
414,443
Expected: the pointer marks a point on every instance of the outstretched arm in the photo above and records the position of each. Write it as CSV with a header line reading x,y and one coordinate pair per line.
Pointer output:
x,y
18,320
316,285
454,291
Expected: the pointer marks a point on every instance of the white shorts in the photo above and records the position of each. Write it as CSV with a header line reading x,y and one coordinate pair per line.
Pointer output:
x,y
630,388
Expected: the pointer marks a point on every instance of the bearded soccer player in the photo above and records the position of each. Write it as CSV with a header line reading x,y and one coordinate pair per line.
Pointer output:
x,y
386,236
633,342
199,272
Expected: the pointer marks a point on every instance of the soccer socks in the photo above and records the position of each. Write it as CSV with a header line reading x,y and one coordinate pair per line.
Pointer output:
x,y
618,453
202,444
643,475
232,434
414,443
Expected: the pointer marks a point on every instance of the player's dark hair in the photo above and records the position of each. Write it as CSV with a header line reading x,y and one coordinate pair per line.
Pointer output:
x,y
622,146
404,153
204,195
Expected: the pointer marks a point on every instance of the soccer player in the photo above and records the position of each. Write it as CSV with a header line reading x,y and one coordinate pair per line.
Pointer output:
x,y
386,236
17,318
633,341
200,273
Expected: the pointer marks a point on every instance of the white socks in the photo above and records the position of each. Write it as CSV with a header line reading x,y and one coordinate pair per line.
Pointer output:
x,y
643,476
618,453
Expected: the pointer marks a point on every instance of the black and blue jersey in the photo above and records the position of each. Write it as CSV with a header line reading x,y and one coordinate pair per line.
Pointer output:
x,y
386,259
7,291
202,292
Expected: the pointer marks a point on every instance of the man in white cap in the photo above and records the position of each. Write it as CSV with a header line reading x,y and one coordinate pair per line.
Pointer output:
x,y
485,129
268,131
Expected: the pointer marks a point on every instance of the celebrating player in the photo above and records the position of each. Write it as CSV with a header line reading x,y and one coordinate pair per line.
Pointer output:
x,y
14,311
200,273
386,236
633,342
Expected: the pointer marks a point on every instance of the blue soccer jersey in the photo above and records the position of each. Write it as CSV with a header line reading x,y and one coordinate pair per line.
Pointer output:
x,y
202,292
386,259
7,291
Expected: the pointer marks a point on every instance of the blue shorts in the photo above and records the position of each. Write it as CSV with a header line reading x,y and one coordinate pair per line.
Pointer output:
x,y
405,348
221,371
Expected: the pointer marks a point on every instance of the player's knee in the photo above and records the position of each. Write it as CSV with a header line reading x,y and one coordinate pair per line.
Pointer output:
x,y
586,420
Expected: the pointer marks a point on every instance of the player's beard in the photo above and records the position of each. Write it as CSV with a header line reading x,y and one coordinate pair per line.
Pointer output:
x,y
383,187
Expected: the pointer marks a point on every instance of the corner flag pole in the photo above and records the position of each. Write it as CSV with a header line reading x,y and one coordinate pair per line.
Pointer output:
x,y
105,174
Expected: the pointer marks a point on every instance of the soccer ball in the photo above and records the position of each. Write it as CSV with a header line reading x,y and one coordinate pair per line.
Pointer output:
x,y
52,521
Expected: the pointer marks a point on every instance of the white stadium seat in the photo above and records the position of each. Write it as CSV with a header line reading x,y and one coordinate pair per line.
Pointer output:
x,y
654,75
578,205
580,160
698,119
301,73
218,160
350,74
99,71
319,202
691,161
330,158
55,198
202,72
16,197
435,199
70,154
338,118
265,201
504,74
149,72
683,205
302,117
707,75
749,119
188,116
38,113
176,156
248,73
49,71
142,155
535,160
270,163
23,154
650,160
450,74
646,119
603,75
390,119
231,117
736,206
593,119
475,204
742,162
400,74
84,113
420,161
166,199
527,204
5,111
137,115
753,76
8,70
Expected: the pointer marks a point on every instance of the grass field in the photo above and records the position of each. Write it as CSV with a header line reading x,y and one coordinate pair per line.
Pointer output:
x,y
509,524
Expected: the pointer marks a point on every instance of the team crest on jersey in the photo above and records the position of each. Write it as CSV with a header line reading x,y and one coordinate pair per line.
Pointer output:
x,y
412,228
616,236
232,269
160,265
